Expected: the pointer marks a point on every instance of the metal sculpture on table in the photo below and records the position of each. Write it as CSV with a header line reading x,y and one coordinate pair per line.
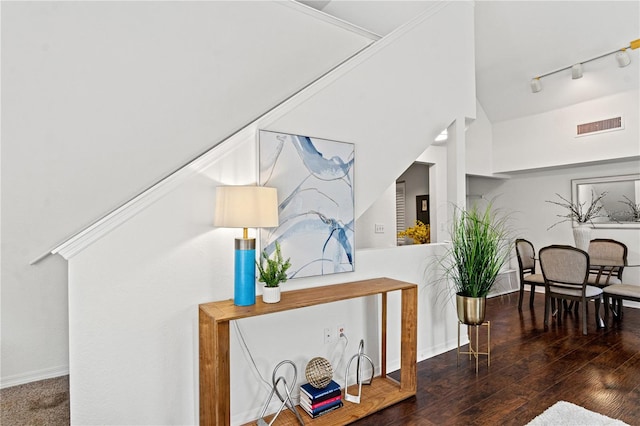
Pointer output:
x,y
359,357
287,401
319,372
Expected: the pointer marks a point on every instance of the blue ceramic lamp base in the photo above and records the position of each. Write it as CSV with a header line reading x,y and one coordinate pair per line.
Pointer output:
x,y
244,284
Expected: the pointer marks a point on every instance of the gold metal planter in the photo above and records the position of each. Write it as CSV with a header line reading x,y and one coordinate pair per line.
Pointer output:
x,y
471,309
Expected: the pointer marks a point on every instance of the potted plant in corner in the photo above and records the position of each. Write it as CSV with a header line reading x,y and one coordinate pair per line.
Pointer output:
x,y
272,274
480,246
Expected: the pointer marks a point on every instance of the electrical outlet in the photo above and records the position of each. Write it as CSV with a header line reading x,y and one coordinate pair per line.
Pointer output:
x,y
341,330
329,335
379,228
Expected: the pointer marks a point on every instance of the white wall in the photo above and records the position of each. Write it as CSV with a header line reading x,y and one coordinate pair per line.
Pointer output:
x,y
546,140
382,212
100,100
525,194
133,311
403,107
437,155
134,324
479,149
416,178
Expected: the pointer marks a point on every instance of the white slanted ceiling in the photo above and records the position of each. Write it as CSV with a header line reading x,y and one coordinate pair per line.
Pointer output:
x,y
517,40
355,101
102,99
147,100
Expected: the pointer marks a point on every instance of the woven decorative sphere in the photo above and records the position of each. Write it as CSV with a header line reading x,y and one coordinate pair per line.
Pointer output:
x,y
319,372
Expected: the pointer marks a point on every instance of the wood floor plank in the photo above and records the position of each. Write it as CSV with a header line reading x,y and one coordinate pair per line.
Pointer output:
x,y
532,367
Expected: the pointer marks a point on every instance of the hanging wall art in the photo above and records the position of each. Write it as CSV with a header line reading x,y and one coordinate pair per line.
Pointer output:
x,y
314,178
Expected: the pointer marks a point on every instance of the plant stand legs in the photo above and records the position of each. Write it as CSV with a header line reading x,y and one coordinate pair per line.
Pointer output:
x,y
473,346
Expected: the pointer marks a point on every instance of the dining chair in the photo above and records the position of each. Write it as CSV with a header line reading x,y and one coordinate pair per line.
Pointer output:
x,y
526,255
566,271
618,293
608,258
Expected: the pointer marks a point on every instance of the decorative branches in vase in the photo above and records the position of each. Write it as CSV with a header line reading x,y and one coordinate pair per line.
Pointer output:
x,y
581,213
634,209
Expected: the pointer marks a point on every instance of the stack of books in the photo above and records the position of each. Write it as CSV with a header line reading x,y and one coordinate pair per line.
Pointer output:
x,y
316,402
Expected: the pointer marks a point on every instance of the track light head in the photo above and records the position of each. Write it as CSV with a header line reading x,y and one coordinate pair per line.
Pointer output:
x,y
576,71
536,86
623,58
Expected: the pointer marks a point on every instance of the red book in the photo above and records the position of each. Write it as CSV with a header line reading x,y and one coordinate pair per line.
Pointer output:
x,y
321,404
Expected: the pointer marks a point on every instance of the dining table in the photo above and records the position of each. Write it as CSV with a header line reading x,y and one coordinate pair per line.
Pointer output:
x,y
605,269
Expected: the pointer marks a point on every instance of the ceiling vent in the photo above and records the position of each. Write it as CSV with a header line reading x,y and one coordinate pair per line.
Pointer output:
x,y
608,125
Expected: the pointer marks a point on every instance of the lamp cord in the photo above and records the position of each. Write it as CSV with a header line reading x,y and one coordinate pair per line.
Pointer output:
x,y
256,372
249,357
336,361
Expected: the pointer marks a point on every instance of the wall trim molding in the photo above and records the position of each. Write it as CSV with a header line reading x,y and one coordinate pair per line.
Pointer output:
x,y
34,376
323,16
104,225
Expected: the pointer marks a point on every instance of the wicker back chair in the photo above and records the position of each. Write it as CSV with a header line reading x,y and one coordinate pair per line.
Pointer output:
x,y
526,255
608,258
566,270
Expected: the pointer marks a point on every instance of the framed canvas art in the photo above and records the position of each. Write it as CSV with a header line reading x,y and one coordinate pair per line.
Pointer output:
x,y
314,178
422,208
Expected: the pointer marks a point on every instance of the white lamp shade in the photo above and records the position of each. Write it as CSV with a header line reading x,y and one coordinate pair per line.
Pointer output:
x,y
246,207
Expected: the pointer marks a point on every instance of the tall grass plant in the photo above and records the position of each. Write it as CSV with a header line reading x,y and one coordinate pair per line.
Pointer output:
x,y
480,247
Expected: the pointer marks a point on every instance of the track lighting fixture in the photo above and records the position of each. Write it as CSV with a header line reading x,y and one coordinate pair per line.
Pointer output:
x,y
576,71
622,57
536,86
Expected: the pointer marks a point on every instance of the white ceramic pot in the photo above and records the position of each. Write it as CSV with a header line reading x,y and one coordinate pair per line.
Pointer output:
x,y
271,294
582,236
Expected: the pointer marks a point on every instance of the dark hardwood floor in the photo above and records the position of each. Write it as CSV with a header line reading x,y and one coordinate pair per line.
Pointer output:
x,y
531,369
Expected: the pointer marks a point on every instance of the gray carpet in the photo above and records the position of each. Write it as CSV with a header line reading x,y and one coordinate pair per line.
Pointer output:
x,y
45,402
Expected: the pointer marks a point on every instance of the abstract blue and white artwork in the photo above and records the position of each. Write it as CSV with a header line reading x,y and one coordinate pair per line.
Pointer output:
x,y
314,178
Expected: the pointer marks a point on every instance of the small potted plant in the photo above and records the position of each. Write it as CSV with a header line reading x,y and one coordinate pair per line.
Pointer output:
x,y
582,215
420,233
272,274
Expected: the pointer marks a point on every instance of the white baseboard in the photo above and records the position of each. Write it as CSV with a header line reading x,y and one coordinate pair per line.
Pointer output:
x,y
443,347
630,304
506,282
33,376
501,293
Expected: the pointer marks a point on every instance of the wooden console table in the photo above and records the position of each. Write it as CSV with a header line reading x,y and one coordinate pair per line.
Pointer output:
x,y
215,394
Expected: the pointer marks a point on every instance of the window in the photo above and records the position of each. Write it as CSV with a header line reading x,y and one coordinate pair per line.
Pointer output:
x,y
400,211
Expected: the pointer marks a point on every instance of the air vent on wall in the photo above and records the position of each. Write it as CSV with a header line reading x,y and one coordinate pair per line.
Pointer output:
x,y
608,125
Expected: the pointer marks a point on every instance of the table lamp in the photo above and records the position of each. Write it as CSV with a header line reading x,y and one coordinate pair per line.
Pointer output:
x,y
245,207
